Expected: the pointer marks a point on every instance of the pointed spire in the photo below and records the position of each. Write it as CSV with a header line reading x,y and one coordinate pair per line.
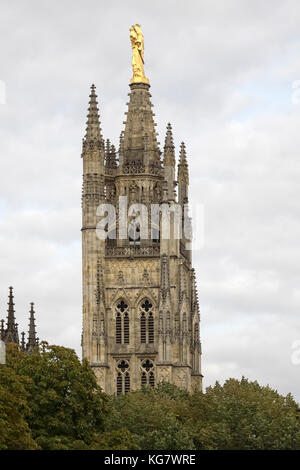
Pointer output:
x,y
139,152
169,153
183,172
93,137
182,155
11,333
32,340
169,137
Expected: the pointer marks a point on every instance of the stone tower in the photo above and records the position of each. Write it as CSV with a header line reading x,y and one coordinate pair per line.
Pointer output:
x,y
140,305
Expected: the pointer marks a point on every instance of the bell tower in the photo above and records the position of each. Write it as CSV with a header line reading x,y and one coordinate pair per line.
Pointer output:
x,y
140,306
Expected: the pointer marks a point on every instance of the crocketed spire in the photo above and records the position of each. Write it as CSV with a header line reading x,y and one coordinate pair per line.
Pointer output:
x,y
93,137
11,333
140,142
169,153
32,342
183,172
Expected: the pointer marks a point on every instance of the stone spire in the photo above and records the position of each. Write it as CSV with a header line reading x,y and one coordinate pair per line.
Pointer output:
x,y
93,190
93,137
169,164
183,176
140,142
32,342
169,153
183,165
11,333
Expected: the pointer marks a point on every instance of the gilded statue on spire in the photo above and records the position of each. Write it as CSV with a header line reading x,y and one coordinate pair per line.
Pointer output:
x,y
137,43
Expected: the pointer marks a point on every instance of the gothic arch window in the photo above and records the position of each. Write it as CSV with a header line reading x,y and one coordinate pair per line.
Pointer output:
x,y
146,322
147,373
122,323
123,377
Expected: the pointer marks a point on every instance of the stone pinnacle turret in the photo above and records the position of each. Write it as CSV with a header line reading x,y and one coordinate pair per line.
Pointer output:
x,y
169,164
11,334
32,342
93,138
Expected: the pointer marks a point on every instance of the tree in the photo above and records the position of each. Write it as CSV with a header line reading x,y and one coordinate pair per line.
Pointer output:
x,y
120,439
243,415
155,417
66,405
14,430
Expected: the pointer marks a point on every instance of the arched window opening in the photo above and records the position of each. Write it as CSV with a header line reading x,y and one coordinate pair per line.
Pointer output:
x,y
143,328
122,323
151,328
126,328
118,328
146,322
147,373
123,377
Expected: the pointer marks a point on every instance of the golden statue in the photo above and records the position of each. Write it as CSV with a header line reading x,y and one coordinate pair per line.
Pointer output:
x,y
137,43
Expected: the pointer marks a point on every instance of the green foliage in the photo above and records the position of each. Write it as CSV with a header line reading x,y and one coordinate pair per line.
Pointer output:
x,y
14,430
244,415
120,439
153,416
50,400
65,402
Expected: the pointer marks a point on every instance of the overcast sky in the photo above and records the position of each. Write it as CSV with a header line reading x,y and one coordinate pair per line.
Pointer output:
x,y
224,73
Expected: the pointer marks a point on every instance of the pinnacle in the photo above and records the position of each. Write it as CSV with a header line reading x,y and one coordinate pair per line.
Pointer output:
x,y
93,129
11,333
169,137
182,155
32,340
11,311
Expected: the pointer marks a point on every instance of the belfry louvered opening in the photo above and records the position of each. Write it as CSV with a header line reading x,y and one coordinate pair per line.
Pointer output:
x,y
122,323
146,322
